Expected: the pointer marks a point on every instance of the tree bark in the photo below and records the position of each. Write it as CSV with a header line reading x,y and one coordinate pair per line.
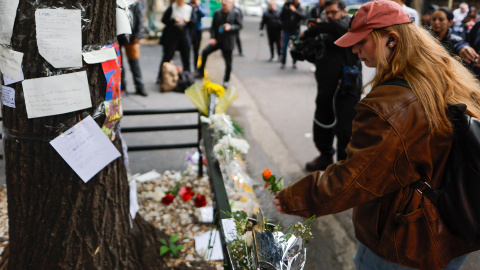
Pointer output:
x,y
56,221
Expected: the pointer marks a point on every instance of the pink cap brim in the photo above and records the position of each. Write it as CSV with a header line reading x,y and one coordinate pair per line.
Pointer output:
x,y
350,38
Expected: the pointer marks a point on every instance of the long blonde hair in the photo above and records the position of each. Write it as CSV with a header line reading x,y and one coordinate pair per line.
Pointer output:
x,y
436,78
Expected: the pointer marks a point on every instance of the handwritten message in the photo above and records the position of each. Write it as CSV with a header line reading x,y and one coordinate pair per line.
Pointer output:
x,y
8,96
8,11
59,36
57,94
85,148
99,56
11,62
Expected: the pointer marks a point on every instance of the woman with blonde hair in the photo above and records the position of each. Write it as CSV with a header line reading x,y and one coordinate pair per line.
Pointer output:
x,y
401,134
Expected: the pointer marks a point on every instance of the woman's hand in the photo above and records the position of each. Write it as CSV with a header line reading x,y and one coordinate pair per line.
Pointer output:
x,y
278,204
468,54
212,41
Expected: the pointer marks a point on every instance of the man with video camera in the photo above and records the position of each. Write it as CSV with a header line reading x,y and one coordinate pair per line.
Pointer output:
x,y
339,84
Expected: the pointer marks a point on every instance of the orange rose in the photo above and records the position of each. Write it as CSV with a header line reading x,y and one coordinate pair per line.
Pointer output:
x,y
266,174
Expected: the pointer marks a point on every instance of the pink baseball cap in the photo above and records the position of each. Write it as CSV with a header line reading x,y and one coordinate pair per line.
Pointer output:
x,y
373,15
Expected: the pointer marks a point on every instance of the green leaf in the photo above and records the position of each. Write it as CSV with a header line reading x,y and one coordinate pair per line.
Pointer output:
x,y
163,241
163,250
180,247
173,238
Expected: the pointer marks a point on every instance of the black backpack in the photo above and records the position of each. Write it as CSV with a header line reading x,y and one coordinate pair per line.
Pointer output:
x,y
458,196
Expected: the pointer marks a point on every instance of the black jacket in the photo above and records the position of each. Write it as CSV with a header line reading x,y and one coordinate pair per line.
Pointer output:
x,y
291,19
271,18
172,32
226,39
449,41
136,24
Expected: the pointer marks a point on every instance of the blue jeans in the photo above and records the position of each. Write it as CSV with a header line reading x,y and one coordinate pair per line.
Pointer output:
x,y
365,259
285,41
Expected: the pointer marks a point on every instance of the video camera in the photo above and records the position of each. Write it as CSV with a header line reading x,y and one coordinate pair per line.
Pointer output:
x,y
309,49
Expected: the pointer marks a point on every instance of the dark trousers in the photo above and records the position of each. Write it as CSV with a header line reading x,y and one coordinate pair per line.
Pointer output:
x,y
182,45
133,55
285,41
227,56
239,42
274,38
196,40
328,74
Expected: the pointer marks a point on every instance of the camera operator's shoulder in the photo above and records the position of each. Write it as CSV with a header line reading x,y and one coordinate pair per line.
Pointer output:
x,y
388,99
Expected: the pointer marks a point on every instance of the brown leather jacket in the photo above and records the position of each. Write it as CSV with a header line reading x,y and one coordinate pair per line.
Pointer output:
x,y
390,148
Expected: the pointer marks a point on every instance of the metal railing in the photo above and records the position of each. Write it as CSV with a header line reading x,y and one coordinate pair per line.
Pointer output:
x,y
196,126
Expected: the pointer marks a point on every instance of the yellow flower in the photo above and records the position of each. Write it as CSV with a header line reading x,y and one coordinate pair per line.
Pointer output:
x,y
213,88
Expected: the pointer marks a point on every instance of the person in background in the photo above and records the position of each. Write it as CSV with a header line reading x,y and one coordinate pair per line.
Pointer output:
x,y
410,11
316,13
469,49
131,43
470,20
458,15
237,35
401,134
271,18
291,16
176,34
199,10
442,20
335,101
225,24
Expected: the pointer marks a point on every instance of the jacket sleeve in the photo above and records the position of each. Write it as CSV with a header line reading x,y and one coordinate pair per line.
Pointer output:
x,y
262,22
367,172
237,22
300,13
215,26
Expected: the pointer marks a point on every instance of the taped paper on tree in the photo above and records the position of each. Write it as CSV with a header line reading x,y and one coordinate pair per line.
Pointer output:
x,y
8,12
123,23
57,94
9,80
11,62
85,148
99,56
59,36
8,96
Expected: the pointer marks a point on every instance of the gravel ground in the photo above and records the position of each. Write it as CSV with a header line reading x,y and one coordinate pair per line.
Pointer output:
x,y
179,217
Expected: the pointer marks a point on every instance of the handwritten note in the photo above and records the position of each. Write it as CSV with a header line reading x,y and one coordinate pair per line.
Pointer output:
x,y
8,11
8,80
85,148
8,96
57,94
10,62
123,23
99,56
59,36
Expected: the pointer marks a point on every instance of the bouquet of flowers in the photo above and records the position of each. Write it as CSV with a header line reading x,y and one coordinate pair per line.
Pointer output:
x,y
201,95
258,245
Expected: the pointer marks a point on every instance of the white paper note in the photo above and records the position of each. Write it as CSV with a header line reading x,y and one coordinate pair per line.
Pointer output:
x,y
59,36
201,246
57,94
99,56
121,3
123,24
85,148
8,96
134,207
8,11
10,62
8,80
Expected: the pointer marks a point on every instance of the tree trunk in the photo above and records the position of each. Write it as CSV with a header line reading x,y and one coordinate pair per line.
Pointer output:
x,y
56,221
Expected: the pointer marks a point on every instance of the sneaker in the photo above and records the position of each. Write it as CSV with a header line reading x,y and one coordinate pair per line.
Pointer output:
x,y
271,59
225,85
158,81
142,93
283,66
294,66
320,163
241,54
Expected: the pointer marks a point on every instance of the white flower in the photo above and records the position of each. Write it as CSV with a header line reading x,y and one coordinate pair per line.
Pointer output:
x,y
248,238
158,194
177,176
223,123
237,145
